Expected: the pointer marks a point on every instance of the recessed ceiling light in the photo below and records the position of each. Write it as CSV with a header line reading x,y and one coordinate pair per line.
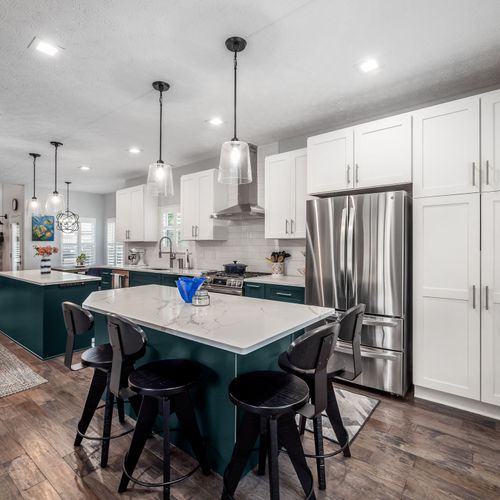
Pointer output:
x,y
84,167
369,65
134,150
215,121
46,48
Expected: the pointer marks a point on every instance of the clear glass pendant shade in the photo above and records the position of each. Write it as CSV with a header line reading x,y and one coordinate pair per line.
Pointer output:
x,y
55,203
35,206
160,181
234,166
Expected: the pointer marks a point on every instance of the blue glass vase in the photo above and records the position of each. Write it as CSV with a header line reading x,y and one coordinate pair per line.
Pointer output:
x,y
187,287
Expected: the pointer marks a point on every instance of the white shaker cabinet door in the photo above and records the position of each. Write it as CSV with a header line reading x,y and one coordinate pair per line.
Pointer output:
x,y
446,149
330,160
490,141
189,206
123,212
278,197
136,224
446,333
299,193
205,229
382,152
490,366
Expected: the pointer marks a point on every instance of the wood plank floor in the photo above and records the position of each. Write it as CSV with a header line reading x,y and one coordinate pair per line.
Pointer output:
x,y
408,449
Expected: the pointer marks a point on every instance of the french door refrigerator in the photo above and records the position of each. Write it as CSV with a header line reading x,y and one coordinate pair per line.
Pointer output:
x,y
358,252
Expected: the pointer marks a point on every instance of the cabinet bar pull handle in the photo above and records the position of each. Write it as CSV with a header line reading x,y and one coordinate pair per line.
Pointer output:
x,y
196,231
251,286
348,174
473,296
192,230
357,173
286,226
473,173
283,294
487,174
291,226
486,299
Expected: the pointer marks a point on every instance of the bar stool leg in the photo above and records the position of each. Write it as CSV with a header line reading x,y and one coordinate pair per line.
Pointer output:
x,y
144,425
96,390
302,425
106,432
318,443
274,486
333,412
121,410
166,448
262,447
289,437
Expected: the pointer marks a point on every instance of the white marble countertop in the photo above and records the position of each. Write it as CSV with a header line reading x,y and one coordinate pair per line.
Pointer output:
x,y
233,323
34,277
299,281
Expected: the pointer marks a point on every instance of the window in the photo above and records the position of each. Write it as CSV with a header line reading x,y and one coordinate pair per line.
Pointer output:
x,y
83,241
114,249
171,226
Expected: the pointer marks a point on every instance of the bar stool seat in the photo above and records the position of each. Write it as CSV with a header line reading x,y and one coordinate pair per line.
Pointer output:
x,y
164,378
100,356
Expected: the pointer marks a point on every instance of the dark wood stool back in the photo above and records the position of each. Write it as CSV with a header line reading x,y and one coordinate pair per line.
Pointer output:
x,y
77,321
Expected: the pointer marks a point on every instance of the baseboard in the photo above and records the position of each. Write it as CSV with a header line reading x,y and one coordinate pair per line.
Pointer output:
x,y
465,404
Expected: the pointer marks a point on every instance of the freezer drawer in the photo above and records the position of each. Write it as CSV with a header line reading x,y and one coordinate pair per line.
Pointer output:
x,y
384,333
382,369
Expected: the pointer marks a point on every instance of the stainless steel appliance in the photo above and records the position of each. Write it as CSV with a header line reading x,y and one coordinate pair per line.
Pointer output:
x,y
230,283
358,252
136,256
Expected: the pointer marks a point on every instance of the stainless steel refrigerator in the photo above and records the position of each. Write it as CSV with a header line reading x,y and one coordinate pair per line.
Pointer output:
x,y
358,252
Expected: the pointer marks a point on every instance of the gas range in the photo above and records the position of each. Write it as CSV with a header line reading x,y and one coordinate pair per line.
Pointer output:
x,y
222,282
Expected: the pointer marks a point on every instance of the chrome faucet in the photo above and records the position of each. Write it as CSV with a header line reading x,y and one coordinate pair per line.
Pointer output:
x,y
171,252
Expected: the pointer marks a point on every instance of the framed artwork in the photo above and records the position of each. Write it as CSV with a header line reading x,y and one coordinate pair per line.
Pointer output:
x,y
42,228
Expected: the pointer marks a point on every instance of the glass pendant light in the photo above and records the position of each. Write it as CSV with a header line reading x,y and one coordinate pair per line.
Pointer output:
x,y
55,200
67,221
34,203
160,180
234,166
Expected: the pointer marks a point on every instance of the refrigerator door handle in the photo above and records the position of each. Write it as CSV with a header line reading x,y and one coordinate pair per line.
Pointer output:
x,y
342,240
350,256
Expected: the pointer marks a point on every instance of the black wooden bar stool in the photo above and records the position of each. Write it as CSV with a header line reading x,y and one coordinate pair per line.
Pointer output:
x,y
297,359
78,321
164,387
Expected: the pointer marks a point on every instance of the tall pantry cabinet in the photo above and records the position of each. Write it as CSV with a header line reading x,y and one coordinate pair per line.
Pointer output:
x,y
456,271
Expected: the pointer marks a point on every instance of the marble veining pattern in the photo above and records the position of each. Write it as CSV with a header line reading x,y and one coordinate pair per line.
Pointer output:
x,y
236,324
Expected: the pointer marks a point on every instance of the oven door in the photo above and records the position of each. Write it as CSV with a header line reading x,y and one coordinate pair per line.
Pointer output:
x,y
224,289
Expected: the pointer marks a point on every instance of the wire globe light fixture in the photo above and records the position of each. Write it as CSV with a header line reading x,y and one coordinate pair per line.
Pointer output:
x,y
67,221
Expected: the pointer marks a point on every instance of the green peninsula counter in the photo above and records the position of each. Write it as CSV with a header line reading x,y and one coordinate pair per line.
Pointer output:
x,y
30,308
231,336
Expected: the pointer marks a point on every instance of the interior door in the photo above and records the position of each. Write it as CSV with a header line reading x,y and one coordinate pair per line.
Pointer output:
x,y
382,152
376,252
206,203
299,193
490,141
278,185
330,160
189,205
326,232
490,328
446,148
446,272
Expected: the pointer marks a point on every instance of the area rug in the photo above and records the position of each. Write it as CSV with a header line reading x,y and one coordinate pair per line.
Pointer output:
x,y
355,409
16,376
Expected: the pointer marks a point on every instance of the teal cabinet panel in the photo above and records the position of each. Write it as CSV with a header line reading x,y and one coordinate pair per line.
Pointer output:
x,y
285,293
137,278
255,290
169,279
106,280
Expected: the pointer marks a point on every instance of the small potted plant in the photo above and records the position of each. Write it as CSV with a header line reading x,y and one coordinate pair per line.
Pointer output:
x,y
81,259
45,252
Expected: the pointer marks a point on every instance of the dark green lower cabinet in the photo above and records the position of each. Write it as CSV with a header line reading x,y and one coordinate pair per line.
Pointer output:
x,y
294,294
169,279
138,278
255,290
106,280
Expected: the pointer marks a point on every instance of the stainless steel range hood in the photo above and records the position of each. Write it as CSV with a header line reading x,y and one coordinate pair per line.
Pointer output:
x,y
247,207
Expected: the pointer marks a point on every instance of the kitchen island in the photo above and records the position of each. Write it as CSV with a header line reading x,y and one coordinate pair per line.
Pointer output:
x,y
30,308
231,336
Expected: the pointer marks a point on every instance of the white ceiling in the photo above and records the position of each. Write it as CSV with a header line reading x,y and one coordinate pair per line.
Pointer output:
x,y
297,74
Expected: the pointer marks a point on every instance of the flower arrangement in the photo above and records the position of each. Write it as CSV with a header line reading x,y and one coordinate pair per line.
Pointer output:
x,y
45,251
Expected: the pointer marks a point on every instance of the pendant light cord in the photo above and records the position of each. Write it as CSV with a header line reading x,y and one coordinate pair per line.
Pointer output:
x,y
235,138
34,178
67,197
55,172
161,121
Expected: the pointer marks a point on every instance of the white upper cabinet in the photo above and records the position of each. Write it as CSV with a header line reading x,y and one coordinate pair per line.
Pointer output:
x,y
330,161
490,141
447,304
490,328
201,196
285,194
446,148
136,215
382,152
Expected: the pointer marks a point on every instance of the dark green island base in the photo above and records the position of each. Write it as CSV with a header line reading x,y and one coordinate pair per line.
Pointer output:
x,y
31,314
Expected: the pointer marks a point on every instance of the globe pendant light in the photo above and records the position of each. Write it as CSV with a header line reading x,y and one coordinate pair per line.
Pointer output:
x,y
55,200
34,203
67,221
160,180
234,166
